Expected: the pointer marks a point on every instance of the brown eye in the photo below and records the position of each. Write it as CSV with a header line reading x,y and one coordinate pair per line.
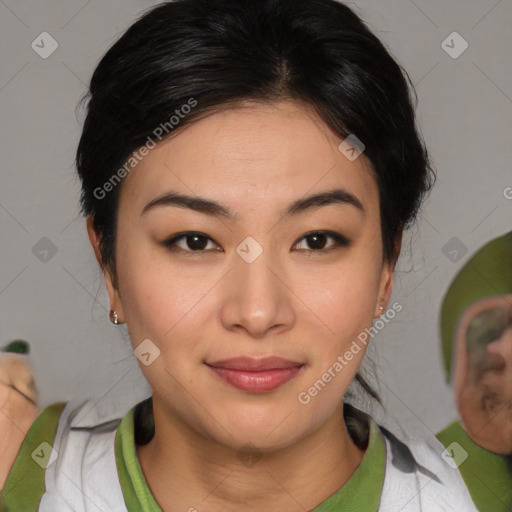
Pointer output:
x,y
189,242
318,240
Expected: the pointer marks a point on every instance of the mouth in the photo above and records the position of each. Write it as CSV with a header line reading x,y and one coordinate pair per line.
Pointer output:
x,y
256,375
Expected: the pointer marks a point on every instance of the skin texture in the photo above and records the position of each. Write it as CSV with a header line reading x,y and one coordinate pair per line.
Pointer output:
x,y
483,383
18,408
293,301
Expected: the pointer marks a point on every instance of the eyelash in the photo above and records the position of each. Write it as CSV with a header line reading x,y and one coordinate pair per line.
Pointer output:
x,y
340,241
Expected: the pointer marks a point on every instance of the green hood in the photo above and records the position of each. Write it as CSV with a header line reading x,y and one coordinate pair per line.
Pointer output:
x,y
487,273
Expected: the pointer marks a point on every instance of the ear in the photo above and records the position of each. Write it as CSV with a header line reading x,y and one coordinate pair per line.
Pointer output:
x,y
387,276
113,293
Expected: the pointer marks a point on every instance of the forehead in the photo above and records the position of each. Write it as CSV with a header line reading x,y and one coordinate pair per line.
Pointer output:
x,y
250,155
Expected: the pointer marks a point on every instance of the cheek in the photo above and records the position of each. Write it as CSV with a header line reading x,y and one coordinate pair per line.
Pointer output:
x,y
152,295
344,297
165,302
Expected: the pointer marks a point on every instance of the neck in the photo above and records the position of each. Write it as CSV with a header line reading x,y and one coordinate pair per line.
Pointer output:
x,y
187,470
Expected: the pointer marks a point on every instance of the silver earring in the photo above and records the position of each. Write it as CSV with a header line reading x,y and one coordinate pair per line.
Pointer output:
x,y
381,308
113,317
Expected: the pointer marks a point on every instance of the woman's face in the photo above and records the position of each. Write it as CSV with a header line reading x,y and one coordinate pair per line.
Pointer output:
x,y
253,284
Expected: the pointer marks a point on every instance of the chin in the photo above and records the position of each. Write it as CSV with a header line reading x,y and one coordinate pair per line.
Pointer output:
x,y
266,431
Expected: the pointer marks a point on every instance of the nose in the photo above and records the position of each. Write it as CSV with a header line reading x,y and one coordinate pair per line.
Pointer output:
x,y
258,298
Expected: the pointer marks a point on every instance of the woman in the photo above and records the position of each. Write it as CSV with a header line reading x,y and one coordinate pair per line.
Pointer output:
x,y
247,170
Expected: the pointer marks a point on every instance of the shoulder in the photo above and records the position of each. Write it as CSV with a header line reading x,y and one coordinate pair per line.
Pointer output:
x,y
24,482
419,473
422,475
67,452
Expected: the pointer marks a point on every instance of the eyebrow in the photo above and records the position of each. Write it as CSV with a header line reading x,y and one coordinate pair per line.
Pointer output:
x,y
215,209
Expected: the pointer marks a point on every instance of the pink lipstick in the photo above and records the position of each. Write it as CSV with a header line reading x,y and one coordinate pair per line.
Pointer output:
x,y
256,375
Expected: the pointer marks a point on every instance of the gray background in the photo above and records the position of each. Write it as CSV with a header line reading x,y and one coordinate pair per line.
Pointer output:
x,y
60,305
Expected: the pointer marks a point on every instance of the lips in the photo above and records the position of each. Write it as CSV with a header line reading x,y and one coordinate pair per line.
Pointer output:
x,y
255,365
256,375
